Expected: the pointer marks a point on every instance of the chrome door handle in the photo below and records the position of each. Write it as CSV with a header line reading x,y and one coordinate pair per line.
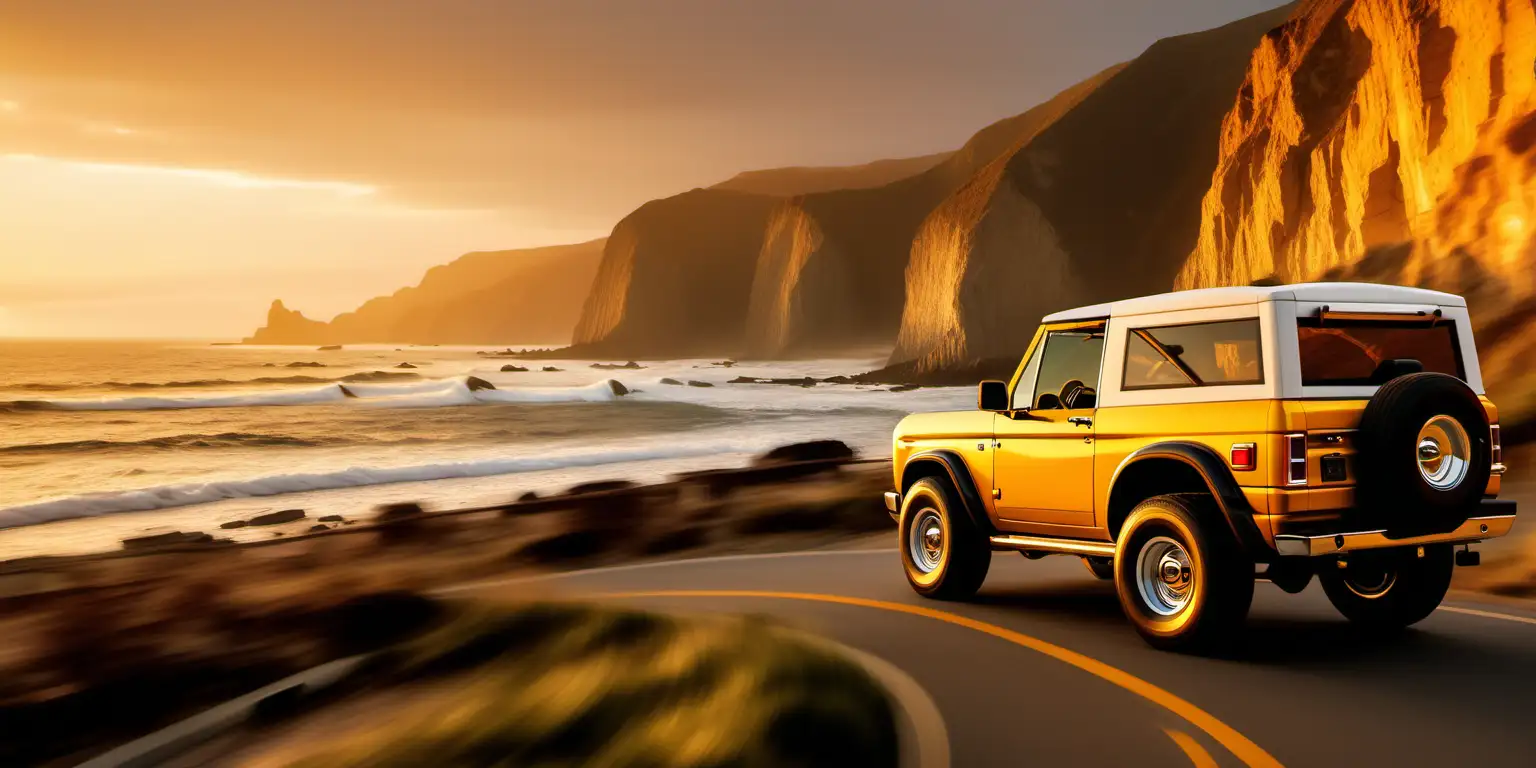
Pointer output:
x,y
1082,421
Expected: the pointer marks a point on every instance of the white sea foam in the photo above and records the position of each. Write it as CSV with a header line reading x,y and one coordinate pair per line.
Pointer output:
x,y
420,394
162,497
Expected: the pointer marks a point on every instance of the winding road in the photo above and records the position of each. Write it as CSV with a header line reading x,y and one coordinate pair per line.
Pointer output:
x,y
1042,669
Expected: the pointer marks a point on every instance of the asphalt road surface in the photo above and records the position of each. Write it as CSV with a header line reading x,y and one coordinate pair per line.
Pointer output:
x,y
1042,669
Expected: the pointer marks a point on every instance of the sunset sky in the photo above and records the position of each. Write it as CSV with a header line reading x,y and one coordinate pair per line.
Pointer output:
x,y
168,167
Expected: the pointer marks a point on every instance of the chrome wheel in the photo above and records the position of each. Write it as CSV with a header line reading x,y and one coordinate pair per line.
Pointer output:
x,y
1444,453
1164,576
925,541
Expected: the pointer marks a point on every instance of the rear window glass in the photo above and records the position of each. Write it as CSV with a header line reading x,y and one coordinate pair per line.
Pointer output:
x,y
1343,353
1194,355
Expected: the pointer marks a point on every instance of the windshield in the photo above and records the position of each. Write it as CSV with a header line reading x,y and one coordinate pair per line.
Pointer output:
x,y
1354,352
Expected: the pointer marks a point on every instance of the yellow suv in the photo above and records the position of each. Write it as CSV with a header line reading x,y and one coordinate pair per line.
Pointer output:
x,y
1179,442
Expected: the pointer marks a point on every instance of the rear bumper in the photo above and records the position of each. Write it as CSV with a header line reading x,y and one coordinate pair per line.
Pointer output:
x,y
1495,519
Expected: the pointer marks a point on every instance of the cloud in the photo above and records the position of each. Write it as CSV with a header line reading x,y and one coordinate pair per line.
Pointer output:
x,y
582,108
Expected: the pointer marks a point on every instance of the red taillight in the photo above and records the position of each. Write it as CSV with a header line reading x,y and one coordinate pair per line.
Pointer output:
x,y
1295,459
1244,455
1496,449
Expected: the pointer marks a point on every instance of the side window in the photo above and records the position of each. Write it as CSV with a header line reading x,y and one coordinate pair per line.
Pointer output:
x,y
1193,355
1023,392
1069,369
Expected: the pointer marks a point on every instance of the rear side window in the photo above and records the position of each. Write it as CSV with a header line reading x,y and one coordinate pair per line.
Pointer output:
x,y
1193,355
1342,353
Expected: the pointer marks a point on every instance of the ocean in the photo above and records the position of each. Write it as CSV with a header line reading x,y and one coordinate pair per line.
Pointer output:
x,y
105,440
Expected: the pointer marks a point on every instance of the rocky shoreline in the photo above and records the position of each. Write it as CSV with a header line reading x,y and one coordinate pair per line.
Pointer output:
x,y
164,628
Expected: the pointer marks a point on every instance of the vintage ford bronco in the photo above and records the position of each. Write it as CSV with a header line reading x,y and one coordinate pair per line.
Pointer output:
x,y
1187,444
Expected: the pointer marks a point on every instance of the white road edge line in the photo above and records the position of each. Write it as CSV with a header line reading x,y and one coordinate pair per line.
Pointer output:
x,y
924,741
474,585
1488,614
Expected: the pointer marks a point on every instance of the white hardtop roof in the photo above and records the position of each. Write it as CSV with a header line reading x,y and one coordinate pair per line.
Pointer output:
x,y
1201,298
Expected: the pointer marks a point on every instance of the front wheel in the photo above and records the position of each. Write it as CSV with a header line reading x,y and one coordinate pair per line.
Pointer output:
x,y
944,555
1390,591
1182,580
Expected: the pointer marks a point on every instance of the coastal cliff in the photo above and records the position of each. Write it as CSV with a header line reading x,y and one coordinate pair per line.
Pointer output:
x,y
1391,142
529,296
832,272
1101,204
675,277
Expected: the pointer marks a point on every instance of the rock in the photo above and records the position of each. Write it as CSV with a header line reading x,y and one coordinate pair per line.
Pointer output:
x,y
331,519
513,369
743,380
233,524
405,365
724,363
814,450
306,365
629,366
618,388
475,384
551,369
289,326
329,348
346,392
391,513
318,528
672,382
269,365
167,540
277,518
904,387
527,496
693,383
839,379
599,486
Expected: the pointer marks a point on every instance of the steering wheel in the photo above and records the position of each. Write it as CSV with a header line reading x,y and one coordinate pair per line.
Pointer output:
x,y
1070,391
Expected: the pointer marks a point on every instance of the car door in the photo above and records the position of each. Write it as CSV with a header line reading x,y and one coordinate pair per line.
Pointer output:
x,y
1043,462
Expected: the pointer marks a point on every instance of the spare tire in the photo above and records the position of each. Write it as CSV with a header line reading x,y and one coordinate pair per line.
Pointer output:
x,y
1422,458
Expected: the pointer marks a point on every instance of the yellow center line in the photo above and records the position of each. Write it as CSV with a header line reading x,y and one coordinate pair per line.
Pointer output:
x,y
1250,753
1192,748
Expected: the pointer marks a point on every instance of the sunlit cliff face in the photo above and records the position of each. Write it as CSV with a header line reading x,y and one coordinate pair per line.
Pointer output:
x,y
1364,124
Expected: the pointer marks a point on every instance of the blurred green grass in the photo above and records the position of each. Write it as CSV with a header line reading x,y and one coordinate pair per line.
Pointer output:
x,y
554,684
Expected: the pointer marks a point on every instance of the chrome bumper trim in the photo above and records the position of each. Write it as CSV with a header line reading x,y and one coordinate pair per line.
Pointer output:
x,y
1055,546
892,502
1474,529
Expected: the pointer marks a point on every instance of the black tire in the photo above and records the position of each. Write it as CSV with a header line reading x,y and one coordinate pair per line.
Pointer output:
x,y
1390,591
964,553
1391,490
1217,582
1102,568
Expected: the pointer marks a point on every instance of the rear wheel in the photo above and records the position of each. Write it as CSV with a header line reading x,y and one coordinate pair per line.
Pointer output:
x,y
943,553
1182,580
1391,590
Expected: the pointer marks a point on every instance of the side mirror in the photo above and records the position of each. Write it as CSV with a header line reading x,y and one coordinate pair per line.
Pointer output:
x,y
992,396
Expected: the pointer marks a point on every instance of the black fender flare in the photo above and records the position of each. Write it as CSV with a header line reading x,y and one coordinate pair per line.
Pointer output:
x,y
959,476
1218,478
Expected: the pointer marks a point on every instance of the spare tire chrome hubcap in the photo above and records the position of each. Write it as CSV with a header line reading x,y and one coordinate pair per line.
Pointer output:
x,y
1164,576
925,541
1444,453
